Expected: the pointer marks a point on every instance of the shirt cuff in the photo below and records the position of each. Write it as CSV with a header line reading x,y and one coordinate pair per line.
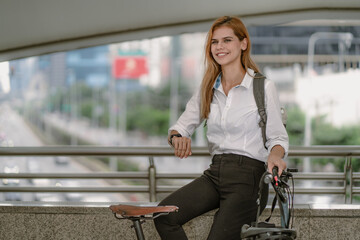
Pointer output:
x,y
284,146
181,131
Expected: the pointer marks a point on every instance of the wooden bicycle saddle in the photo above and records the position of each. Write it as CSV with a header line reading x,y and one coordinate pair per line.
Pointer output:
x,y
135,211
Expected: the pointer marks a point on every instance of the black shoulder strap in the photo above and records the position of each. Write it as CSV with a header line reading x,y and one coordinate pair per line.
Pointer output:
x,y
259,94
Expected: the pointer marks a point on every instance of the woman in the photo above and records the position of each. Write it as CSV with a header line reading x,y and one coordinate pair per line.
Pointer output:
x,y
226,101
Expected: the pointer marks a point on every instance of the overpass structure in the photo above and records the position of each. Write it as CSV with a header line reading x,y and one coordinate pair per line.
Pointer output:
x,y
32,28
76,220
96,221
40,27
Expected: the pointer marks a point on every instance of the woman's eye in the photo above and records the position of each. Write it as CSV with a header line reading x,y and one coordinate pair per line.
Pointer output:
x,y
227,40
213,42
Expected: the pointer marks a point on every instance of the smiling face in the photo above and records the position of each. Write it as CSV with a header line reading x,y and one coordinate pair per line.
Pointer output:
x,y
226,47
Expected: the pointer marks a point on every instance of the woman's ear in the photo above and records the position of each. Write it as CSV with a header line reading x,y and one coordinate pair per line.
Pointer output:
x,y
244,44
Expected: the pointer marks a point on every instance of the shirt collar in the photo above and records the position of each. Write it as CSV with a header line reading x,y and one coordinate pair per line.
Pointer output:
x,y
249,75
245,83
217,81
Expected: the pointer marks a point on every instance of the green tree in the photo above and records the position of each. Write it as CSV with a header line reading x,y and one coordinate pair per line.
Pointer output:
x,y
295,125
149,120
148,111
326,134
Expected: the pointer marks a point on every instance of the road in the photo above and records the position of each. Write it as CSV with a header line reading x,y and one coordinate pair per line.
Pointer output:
x,y
104,137
15,132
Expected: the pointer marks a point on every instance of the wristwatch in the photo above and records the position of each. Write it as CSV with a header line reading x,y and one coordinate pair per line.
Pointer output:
x,y
174,135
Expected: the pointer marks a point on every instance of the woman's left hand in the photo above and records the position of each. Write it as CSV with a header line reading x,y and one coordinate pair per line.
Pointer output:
x,y
275,159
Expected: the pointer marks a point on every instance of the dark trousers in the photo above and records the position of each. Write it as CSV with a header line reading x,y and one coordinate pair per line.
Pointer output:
x,y
231,184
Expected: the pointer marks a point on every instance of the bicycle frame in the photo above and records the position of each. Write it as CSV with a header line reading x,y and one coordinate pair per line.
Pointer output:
x,y
267,230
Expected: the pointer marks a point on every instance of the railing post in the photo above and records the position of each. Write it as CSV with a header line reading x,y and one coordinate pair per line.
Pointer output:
x,y
152,179
348,176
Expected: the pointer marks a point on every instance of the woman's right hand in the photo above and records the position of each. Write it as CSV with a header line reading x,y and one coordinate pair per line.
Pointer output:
x,y
182,146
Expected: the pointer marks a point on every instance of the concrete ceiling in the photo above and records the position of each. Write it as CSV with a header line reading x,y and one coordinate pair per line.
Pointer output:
x,y
38,27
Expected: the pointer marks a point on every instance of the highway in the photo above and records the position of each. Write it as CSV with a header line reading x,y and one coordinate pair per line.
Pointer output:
x,y
15,132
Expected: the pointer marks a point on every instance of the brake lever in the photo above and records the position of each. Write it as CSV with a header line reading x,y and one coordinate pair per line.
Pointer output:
x,y
275,174
276,184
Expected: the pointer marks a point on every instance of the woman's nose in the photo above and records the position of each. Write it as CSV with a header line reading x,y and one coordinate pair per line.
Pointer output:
x,y
219,45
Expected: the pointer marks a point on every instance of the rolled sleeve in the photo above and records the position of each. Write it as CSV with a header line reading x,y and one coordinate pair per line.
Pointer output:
x,y
275,130
190,118
282,144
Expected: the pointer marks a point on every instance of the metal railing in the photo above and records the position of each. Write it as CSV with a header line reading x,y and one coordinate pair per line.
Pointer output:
x,y
348,177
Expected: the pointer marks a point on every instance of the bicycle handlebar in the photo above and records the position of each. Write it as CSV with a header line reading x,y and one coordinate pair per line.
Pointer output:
x,y
279,182
284,175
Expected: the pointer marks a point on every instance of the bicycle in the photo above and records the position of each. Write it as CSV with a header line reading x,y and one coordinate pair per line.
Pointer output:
x,y
258,230
285,198
138,215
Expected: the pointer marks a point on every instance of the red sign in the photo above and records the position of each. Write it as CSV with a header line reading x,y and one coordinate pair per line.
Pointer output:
x,y
129,67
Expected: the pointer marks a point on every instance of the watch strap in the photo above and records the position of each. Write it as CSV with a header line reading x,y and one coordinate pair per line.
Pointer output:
x,y
174,135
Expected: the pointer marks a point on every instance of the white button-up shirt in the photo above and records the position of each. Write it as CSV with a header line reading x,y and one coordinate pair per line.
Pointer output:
x,y
233,122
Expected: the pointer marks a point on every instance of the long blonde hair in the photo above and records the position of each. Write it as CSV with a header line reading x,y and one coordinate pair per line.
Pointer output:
x,y
213,68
